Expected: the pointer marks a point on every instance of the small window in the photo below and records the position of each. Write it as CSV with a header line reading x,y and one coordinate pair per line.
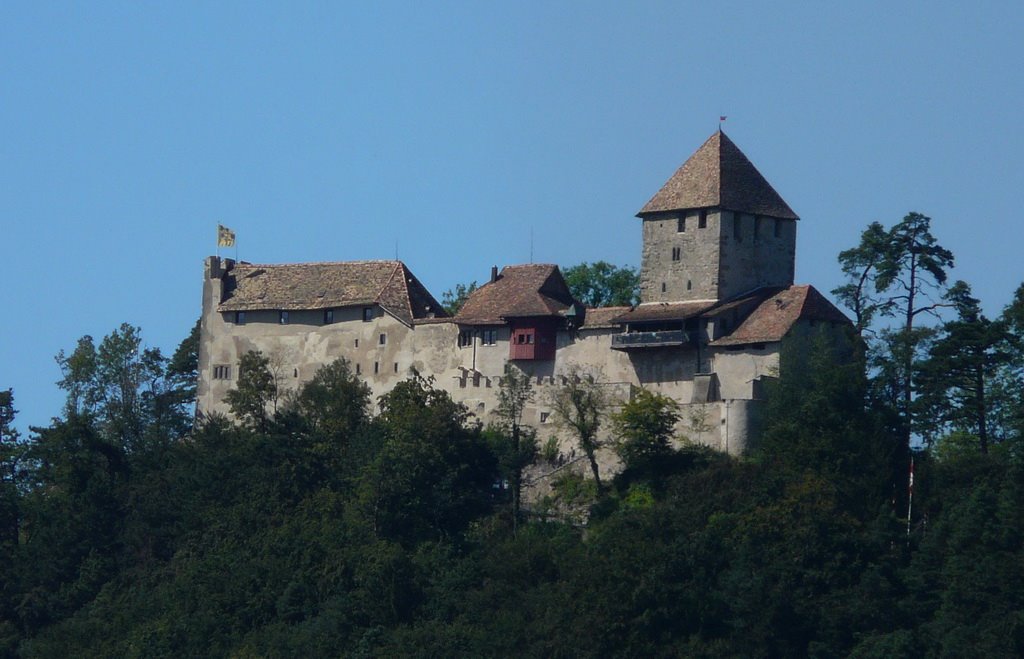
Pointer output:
x,y
465,338
239,318
367,314
737,223
295,373
282,317
529,339
663,287
489,337
383,340
359,369
222,372
681,223
677,253
702,219
396,367
689,284
544,417
778,228
328,316
376,368
476,379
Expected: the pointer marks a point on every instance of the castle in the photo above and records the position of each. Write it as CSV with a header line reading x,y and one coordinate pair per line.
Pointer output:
x,y
717,299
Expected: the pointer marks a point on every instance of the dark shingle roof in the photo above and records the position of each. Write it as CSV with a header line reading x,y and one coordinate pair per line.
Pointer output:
x,y
601,317
719,175
519,291
774,317
250,287
655,311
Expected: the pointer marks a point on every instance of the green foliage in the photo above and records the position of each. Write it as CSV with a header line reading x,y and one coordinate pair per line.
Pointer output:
x,y
453,299
580,405
601,284
255,391
644,428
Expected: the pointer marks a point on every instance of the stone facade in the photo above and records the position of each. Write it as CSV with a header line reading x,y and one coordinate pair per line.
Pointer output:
x,y
717,300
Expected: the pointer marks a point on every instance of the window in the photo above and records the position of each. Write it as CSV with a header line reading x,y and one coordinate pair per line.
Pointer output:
x,y
525,338
544,417
465,338
383,339
359,369
367,314
396,367
702,219
376,368
357,343
239,318
489,337
328,316
663,288
282,317
677,253
689,284
681,223
222,372
737,223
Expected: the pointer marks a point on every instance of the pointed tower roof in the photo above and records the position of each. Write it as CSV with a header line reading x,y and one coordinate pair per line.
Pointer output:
x,y
719,175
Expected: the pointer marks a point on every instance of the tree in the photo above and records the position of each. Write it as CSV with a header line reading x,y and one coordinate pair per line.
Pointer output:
x,y
644,427
900,273
255,391
955,387
453,299
9,450
580,405
433,473
514,394
601,284
335,402
124,386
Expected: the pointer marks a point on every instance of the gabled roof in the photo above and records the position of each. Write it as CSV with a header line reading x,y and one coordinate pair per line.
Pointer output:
x,y
519,291
774,317
719,175
251,287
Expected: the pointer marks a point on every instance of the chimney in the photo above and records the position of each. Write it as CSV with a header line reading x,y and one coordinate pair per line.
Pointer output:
x,y
494,273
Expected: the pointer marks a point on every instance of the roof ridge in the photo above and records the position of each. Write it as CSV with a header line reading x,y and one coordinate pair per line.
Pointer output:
x,y
316,263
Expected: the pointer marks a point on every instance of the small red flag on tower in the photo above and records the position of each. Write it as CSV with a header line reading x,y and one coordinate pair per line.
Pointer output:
x,y
722,118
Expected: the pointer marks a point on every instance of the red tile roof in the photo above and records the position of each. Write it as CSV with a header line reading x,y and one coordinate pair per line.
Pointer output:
x,y
774,317
599,317
390,284
519,291
719,175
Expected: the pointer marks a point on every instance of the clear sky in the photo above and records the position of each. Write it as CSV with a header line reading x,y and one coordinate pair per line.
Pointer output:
x,y
446,131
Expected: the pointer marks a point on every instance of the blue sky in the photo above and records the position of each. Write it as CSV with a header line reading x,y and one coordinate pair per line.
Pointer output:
x,y
449,130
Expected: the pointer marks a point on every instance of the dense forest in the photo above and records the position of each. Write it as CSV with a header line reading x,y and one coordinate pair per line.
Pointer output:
x,y
309,526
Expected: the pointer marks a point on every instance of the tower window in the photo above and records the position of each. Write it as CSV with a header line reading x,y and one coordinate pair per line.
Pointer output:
x,y
222,372
359,369
396,367
663,287
376,368
681,223
702,219
689,284
282,317
677,253
383,340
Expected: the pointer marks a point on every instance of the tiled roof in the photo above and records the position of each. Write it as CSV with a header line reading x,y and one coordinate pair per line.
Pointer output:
x,y
653,311
603,317
250,287
774,317
719,175
519,291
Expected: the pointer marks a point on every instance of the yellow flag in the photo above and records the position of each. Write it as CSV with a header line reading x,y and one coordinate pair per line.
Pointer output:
x,y
225,236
